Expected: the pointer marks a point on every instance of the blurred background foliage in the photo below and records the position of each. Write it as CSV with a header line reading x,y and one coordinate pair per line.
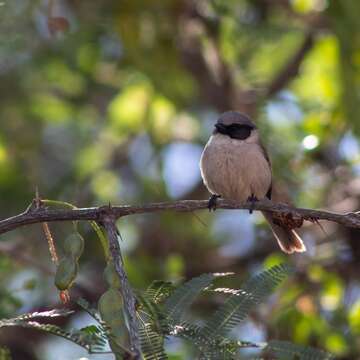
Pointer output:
x,y
113,101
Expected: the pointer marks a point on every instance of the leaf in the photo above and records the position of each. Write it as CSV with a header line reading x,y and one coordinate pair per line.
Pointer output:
x,y
94,336
150,330
217,354
181,299
289,351
94,224
152,325
152,343
159,290
33,315
211,348
227,291
84,304
101,236
208,350
52,329
90,338
187,331
238,305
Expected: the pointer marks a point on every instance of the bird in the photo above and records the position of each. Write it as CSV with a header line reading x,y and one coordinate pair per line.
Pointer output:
x,y
234,165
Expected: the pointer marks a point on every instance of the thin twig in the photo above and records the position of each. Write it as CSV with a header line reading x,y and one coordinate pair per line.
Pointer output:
x,y
33,215
108,221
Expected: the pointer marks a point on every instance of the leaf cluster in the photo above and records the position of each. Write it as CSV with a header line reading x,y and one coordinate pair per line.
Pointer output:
x,y
162,312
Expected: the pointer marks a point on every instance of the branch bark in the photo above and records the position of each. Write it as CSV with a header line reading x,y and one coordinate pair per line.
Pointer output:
x,y
108,221
107,216
33,215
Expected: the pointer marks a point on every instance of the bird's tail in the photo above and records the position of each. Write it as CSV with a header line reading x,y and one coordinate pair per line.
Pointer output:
x,y
289,241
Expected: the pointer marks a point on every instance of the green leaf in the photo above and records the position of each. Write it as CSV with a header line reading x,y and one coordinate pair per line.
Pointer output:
x,y
152,343
159,290
288,351
238,305
185,295
84,304
51,329
94,336
151,325
94,224
91,338
33,315
148,310
100,234
211,348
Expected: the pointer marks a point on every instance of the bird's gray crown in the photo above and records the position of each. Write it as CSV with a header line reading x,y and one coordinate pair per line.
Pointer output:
x,y
235,117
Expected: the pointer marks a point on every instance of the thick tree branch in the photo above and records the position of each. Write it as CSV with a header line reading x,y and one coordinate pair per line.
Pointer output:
x,y
108,220
33,215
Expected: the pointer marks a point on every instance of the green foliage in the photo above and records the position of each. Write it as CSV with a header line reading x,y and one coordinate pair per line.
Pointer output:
x,y
285,350
184,296
101,333
95,226
92,115
152,343
160,311
159,290
237,307
210,339
78,337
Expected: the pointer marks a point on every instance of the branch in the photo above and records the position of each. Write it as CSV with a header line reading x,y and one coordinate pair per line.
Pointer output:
x,y
292,67
108,221
33,215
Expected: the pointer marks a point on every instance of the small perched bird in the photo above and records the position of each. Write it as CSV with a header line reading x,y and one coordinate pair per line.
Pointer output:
x,y
234,165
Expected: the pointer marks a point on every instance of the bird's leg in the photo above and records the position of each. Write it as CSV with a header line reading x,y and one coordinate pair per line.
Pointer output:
x,y
212,202
252,199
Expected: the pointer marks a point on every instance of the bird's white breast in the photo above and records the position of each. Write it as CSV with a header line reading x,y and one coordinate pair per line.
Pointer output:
x,y
235,169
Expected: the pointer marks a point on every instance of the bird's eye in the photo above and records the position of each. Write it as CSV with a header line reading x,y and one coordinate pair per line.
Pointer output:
x,y
240,132
222,129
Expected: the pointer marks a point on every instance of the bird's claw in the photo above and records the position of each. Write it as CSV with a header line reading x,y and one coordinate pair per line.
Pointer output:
x,y
252,199
212,202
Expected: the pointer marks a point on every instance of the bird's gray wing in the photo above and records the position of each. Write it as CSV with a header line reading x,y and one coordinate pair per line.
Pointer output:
x,y
266,156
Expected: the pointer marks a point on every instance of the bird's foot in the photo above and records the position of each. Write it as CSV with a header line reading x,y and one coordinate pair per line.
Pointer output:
x,y
252,199
212,202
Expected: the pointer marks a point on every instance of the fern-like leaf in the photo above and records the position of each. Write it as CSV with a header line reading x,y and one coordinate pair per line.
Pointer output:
x,y
181,299
210,349
238,305
187,331
85,305
33,315
284,350
151,324
94,336
159,290
49,328
152,343
217,354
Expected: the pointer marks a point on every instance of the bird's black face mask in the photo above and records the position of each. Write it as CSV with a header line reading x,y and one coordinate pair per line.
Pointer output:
x,y
235,131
